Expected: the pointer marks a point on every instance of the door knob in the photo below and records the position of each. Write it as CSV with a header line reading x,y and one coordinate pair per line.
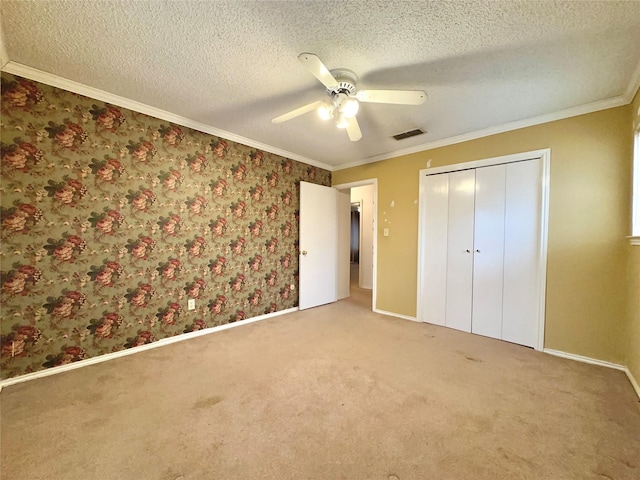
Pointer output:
x,y
304,252
478,251
468,251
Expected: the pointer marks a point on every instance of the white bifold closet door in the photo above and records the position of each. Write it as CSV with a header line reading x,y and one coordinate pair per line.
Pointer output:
x,y
488,251
481,249
435,205
459,280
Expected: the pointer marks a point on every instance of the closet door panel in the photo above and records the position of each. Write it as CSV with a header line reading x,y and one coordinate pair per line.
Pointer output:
x,y
522,253
488,255
460,250
435,205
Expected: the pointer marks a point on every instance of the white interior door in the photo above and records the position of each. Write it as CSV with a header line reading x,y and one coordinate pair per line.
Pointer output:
x,y
460,250
318,245
435,208
488,254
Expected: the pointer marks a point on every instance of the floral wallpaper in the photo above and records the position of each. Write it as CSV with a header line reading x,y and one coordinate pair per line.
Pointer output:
x,y
112,219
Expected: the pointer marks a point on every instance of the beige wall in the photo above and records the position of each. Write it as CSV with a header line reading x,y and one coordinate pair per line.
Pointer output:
x,y
586,311
634,280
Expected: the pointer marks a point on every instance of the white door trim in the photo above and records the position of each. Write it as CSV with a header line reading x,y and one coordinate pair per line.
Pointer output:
x,y
545,156
362,183
486,162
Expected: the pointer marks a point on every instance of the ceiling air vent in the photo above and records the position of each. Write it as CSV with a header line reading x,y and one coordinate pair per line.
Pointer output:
x,y
410,133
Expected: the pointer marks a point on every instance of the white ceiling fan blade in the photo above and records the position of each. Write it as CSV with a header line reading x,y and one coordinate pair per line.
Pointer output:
x,y
400,97
317,68
353,129
297,112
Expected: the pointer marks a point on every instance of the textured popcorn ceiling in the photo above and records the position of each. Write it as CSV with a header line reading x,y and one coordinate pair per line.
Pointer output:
x,y
232,64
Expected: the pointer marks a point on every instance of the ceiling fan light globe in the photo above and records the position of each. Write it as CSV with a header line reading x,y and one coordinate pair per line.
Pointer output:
x,y
325,112
341,121
350,108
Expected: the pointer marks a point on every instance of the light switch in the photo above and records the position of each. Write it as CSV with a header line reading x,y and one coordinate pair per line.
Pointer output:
x,y
385,232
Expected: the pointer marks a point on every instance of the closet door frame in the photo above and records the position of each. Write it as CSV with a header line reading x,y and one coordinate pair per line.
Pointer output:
x,y
545,156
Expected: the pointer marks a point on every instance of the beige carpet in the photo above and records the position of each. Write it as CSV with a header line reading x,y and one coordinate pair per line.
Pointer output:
x,y
335,392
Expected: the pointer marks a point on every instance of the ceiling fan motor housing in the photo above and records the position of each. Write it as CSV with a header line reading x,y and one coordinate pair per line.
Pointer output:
x,y
346,82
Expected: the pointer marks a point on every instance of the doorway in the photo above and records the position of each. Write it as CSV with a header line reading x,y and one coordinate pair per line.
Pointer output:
x,y
357,241
354,243
354,246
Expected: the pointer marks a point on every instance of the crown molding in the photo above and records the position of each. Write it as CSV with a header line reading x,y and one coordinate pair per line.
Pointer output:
x,y
634,84
485,132
97,94
82,89
4,56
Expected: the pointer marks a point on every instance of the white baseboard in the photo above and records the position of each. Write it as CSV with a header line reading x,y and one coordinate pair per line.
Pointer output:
x,y
594,361
398,315
141,348
580,358
635,385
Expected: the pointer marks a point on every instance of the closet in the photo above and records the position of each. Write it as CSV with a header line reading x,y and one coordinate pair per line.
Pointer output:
x,y
480,250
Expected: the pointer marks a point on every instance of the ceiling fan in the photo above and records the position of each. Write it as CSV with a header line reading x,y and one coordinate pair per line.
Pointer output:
x,y
344,101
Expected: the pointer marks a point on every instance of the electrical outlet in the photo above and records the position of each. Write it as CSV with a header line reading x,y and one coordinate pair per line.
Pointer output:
x,y
191,304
